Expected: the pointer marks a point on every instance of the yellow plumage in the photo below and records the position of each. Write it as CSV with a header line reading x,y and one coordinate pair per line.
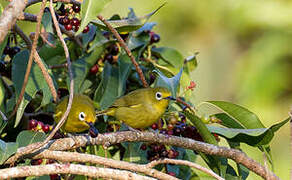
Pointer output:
x,y
140,108
81,116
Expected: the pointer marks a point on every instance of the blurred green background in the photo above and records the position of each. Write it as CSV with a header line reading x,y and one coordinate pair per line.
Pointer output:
x,y
245,55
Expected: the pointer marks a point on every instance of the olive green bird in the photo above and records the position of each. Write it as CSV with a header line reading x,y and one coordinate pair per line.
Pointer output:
x,y
82,114
140,108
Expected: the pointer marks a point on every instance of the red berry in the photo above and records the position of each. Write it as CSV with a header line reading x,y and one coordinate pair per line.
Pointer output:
x,y
40,125
50,161
54,176
154,126
170,126
68,27
39,161
76,28
32,124
46,128
143,147
76,8
170,132
75,22
94,69
171,173
86,29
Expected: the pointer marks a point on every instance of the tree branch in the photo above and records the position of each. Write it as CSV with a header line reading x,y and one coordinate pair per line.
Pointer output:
x,y
131,136
128,51
91,171
9,16
186,163
22,35
93,159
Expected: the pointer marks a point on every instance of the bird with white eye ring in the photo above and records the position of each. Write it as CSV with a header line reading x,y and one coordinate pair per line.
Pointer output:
x,y
81,117
140,108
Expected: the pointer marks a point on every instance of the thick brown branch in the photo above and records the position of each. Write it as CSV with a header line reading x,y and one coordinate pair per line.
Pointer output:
x,y
9,16
130,136
91,171
31,2
128,51
88,158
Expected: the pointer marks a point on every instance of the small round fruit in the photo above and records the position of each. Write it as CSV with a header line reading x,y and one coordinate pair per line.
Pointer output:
x,y
76,8
86,29
7,50
94,69
143,147
46,128
109,58
93,132
68,27
154,38
32,124
154,126
75,22
114,49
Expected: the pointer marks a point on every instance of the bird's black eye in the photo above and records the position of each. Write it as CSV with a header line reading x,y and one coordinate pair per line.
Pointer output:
x,y
158,96
81,116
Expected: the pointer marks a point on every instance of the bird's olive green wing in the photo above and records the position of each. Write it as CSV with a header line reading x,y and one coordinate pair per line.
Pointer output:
x,y
134,98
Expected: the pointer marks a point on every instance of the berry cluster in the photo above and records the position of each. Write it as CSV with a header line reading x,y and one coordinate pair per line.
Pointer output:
x,y
68,19
157,151
39,126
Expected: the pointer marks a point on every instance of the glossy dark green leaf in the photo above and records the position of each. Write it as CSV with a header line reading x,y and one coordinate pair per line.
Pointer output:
x,y
136,41
87,37
253,137
51,55
27,137
79,69
99,40
6,150
127,25
171,83
113,82
47,22
90,9
36,82
239,114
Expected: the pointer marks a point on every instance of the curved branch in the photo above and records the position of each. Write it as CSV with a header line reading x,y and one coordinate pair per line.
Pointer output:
x,y
9,16
91,171
131,136
93,159
31,2
186,163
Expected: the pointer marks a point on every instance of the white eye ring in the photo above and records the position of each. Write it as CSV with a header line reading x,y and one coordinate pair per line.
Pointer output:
x,y
158,96
81,116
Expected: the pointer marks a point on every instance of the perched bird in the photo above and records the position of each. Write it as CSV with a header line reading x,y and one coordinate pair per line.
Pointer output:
x,y
140,108
81,117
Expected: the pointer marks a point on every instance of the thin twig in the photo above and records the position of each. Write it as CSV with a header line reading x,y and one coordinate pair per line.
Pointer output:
x,y
186,163
30,60
58,66
131,136
46,75
179,100
9,16
44,36
128,51
91,171
71,91
23,36
93,159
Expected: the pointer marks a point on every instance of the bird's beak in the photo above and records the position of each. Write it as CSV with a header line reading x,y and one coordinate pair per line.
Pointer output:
x,y
170,98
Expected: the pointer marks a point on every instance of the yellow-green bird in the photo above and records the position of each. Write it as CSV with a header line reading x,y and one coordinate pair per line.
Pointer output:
x,y
140,108
82,114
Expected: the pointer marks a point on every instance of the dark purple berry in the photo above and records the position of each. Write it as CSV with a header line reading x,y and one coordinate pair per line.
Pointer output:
x,y
86,29
170,132
154,38
75,22
93,132
32,124
143,147
114,49
106,34
7,50
163,131
176,131
76,8
164,154
109,58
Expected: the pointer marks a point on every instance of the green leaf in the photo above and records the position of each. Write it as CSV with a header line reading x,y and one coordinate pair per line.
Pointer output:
x,y
27,137
6,150
87,37
90,10
47,22
240,115
113,82
79,69
51,55
191,62
252,137
98,41
133,152
35,82
136,41
127,25
170,83
170,56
